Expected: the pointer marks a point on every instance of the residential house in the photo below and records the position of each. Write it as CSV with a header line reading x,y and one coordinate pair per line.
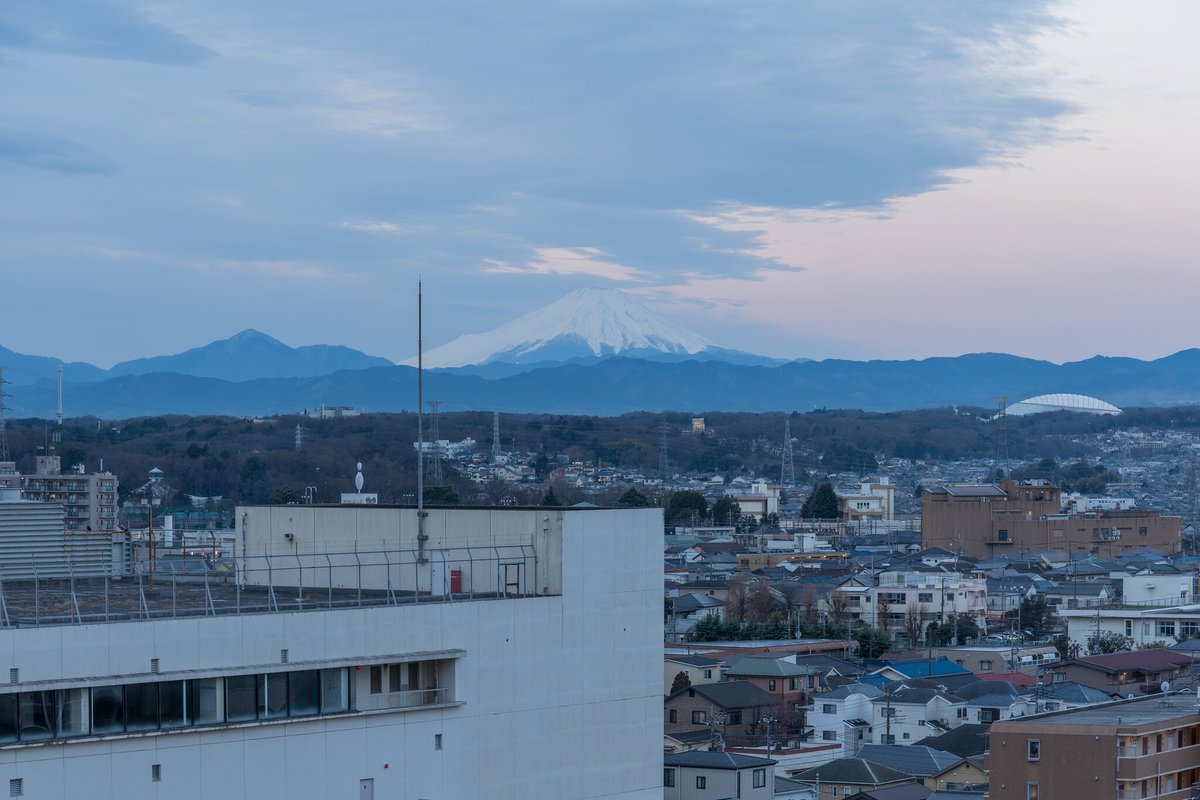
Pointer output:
x,y
913,790
709,775
914,760
1079,594
1139,671
988,658
698,669
967,740
845,715
791,683
729,707
845,776
906,714
988,701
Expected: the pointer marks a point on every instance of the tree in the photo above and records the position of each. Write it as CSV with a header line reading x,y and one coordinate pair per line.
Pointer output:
x,y
760,601
872,642
1107,642
681,682
943,634
737,600
1036,615
726,510
683,507
633,499
883,613
822,503
914,622
550,498
441,495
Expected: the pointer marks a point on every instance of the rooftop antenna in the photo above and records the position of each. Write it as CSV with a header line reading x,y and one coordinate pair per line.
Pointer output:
x,y
3,429
495,437
421,513
787,472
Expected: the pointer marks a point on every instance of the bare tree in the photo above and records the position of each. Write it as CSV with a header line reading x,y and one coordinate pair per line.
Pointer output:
x,y
761,600
737,600
914,622
883,611
837,604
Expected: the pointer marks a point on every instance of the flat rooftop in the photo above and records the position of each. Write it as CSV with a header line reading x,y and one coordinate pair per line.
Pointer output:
x,y
1134,713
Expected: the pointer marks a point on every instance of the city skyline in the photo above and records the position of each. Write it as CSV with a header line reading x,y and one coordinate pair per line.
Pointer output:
x,y
809,182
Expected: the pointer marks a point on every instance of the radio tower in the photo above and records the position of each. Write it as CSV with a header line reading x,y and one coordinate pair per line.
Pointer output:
x,y
1002,436
664,463
60,411
3,423
435,467
495,437
787,471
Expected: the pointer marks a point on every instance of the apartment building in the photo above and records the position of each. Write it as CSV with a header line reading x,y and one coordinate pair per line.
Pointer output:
x,y
1142,749
355,652
985,521
930,595
89,500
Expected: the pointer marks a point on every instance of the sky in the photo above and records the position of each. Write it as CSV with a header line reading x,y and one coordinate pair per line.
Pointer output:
x,y
796,179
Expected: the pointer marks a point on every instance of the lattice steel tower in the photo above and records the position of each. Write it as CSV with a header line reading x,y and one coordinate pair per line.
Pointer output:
x,y
495,437
787,471
664,463
435,450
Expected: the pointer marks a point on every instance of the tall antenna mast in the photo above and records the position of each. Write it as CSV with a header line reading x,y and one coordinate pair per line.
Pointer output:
x,y
787,471
60,412
1002,435
3,429
495,437
421,535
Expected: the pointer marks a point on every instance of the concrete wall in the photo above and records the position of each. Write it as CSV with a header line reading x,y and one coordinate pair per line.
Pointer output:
x,y
561,694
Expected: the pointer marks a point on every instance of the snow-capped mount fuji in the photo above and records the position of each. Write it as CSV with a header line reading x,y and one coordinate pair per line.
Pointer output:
x,y
585,326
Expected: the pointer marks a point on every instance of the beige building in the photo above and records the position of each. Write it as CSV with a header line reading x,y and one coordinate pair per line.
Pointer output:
x,y
1128,750
89,501
874,500
985,521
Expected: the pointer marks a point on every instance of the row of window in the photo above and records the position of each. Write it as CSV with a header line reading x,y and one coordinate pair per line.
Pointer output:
x,y
758,778
169,705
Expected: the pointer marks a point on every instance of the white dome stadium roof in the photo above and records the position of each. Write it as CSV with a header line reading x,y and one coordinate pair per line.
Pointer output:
x,y
1062,402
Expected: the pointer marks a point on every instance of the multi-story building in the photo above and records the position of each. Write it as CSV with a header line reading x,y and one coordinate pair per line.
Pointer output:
x,y
1129,750
927,596
845,716
89,500
874,500
353,652
985,521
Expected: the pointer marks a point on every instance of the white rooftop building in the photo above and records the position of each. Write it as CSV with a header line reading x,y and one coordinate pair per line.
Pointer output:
x,y
509,653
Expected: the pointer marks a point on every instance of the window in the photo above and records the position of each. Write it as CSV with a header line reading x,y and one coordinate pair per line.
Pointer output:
x,y
8,718
1188,628
1002,534
1142,531
272,695
1129,628
699,718
1031,791
771,685
108,709
985,664
701,782
208,701
172,704
828,708
377,679
759,778
887,738
829,736
396,678
240,699
887,712
733,718
924,597
907,736
668,777
707,673
962,713
673,716
1166,627
335,691
1033,749
141,707
845,791
437,741
303,692
792,685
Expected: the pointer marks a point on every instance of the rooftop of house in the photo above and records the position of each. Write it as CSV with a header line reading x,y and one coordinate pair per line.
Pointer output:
x,y
710,759
917,760
730,694
757,667
852,770
1155,660
914,790
966,740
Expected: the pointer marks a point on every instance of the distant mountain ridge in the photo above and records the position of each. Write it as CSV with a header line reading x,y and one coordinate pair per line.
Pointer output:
x,y
620,385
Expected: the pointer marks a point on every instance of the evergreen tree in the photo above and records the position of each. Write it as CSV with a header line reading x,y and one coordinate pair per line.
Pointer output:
x,y
550,498
726,509
822,503
633,499
681,682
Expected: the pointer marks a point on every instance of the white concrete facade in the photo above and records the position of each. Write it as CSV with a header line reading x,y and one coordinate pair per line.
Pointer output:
x,y
554,696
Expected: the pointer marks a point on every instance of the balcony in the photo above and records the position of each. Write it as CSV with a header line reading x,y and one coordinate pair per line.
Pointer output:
x,y
1155,764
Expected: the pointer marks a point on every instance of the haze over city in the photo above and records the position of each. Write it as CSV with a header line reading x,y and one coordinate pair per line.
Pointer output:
x,y
842,182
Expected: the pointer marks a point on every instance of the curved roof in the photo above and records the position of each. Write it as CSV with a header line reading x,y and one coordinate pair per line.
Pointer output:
x,y
1062,402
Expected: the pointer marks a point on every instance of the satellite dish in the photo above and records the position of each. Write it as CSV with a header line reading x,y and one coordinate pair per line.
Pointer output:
x,y
1165,686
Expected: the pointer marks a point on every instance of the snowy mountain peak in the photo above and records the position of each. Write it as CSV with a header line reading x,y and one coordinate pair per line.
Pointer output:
x,y
587,323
